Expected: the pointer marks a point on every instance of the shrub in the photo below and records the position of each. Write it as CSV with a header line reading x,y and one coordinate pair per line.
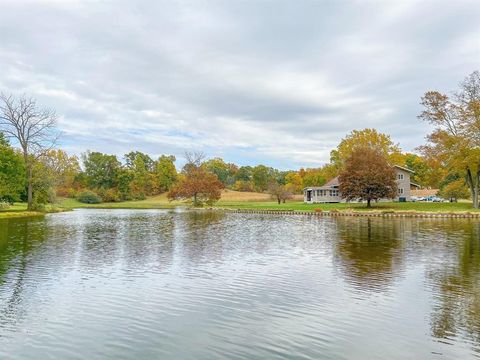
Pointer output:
x,y
89,197
318,210
4,205
111,195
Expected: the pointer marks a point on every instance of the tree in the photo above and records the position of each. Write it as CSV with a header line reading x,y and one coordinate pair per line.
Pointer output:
x,y
456,189
456,138
244,173
12,172
141,184
294,182
366,138
279,192
32,127
367,176
165,172
196,184
224,171
100,169
62,168
133,155
312,177
262,176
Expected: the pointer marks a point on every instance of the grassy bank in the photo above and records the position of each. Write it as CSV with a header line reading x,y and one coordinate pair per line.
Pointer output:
x,y
18,210
384,206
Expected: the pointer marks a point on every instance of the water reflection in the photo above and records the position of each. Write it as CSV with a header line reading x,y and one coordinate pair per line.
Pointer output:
x,y
207,285
369,252
457,285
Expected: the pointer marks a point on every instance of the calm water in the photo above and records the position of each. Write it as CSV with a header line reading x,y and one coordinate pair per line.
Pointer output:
x,y
124,284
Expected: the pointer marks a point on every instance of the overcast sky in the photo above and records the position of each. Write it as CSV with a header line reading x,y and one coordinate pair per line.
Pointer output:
x,y
273,82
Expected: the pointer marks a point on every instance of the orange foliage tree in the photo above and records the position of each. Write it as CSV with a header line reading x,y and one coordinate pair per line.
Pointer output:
x,y
367,176
196,184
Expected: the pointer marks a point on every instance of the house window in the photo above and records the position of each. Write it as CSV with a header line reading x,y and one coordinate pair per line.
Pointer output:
x,y
318,192
400,191
333,192
400,176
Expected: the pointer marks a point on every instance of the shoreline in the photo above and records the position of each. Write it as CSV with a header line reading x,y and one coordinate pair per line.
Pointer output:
x,y
384,214
326,213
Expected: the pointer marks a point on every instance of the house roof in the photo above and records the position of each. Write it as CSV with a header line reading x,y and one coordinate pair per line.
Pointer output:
x,y
404,168
328,185
332,182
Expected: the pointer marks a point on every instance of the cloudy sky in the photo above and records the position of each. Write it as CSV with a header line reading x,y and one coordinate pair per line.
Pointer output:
x,y
274,82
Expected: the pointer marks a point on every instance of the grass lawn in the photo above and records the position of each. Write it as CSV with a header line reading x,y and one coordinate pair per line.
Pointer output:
x,y
384,206
20,210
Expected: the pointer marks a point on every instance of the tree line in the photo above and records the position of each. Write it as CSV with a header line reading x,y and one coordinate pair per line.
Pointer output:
x,y
36,172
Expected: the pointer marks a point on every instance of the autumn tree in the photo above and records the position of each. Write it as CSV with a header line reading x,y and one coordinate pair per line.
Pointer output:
x,y
196,184
279,192
62,169
366,138
456,138
367,176
294,182
34,129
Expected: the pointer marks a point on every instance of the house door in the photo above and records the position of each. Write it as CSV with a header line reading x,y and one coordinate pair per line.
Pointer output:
x,y
309,195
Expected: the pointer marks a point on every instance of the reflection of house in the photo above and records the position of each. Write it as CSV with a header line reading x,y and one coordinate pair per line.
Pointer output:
x,y
330,193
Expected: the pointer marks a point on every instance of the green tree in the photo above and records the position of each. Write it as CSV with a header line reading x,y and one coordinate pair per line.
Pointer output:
x,y
100,169
124,178
132,156
244,173
165,172
140,183
456,138
224,171
262,177
12,172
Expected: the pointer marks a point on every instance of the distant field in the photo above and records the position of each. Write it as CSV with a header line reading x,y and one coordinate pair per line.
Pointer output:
x,y
161,201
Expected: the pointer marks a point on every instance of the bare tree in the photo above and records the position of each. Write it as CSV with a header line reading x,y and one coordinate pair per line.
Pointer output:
x,y
34,128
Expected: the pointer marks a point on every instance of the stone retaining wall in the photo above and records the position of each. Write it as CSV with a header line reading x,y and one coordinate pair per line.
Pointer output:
x,y
398,214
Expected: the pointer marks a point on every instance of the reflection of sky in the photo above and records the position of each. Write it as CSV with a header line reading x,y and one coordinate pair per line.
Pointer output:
x,y
286,79
143,284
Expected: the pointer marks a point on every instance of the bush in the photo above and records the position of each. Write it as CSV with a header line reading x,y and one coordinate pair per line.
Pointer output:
x,y
89,197
4,205
111,195
318,210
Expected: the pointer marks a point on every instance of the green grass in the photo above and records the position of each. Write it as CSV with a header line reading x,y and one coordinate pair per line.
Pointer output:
x,y
20,210
384,206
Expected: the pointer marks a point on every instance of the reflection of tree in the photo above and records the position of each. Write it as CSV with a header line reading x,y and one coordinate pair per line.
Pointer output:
x,y
202,234
18,237
457,284
369,251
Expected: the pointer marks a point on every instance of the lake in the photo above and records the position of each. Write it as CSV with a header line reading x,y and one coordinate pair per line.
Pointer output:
x,y
172,284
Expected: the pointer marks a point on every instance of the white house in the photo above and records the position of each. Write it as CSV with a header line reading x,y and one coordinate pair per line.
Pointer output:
x,y
330,193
